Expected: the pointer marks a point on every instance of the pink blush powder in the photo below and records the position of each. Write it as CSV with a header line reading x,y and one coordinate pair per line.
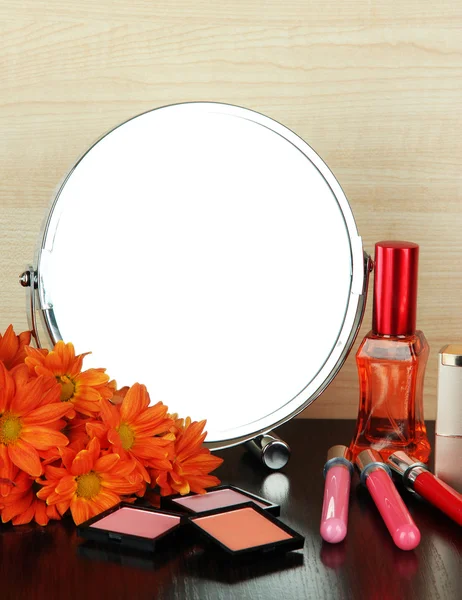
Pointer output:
x,y
242,528
135,521
216,499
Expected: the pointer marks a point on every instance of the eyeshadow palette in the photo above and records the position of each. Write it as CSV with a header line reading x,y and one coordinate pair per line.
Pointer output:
x,y
130,526
217,498
247,528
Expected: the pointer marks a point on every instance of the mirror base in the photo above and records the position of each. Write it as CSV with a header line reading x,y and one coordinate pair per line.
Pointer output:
x,y
270,449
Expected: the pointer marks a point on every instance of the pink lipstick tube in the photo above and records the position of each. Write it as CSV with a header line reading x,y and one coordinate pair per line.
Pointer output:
x,y
376,475
337,472
417,478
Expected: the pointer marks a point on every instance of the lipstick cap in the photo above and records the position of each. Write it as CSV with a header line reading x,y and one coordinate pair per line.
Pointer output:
x,y
395,288
338,455
405,466
370,460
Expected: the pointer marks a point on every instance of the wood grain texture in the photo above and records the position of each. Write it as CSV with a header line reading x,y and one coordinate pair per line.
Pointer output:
x,y
374,87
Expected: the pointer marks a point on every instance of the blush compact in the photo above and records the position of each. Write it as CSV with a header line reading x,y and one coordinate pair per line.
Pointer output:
x,y
241,529
246,529
130,526
216,498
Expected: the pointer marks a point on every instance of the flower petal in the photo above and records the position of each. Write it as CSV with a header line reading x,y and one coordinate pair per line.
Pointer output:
x,y
67,456
21,375
55,498
65,353
7,471
136,399
85,459
17,507
80,509
52,512
82,463
24,456
31,395
105,499
92,377
54,363
106,463
121,486
7,388
94,448
47,414
76,366
41,516
110,414
88,408
149,448
52,472
66,486
26,516
95,429
9,344
12,347
43,438
62,507
198,484
46,491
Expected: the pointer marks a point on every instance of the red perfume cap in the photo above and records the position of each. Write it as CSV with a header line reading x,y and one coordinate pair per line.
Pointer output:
x,y
395,288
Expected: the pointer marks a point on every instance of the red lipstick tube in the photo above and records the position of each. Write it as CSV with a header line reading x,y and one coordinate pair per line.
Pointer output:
x,y
376,475
417,478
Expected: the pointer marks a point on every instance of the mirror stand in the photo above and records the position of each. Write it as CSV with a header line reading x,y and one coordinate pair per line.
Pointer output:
x,y
270,449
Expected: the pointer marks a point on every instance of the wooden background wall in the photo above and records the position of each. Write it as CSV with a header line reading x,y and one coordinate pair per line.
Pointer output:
x,y
375,87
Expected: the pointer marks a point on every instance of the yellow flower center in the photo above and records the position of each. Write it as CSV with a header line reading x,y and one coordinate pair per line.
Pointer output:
x,y
88,485
67,388
10,428
126,435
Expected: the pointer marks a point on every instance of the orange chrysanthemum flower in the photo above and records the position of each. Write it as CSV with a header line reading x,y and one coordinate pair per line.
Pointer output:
x,y
191,462
84,389
21,506
29,411
12,347
88,482
137,431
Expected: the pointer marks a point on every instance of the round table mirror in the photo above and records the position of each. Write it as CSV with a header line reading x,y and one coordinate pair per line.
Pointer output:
x,y
207,251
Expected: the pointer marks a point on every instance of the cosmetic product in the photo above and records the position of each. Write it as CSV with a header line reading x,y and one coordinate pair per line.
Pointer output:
x,y
270,449
392,358
376,475
217,497
246,529
130,526
417,478
448,438
337,472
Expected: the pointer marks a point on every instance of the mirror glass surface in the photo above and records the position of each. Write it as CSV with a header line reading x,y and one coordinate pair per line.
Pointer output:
x,y
206,251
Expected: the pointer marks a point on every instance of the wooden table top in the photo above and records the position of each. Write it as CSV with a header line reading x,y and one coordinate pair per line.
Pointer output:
x,y
53,563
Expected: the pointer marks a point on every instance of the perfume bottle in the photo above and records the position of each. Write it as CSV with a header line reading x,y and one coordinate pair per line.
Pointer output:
x,y
391,360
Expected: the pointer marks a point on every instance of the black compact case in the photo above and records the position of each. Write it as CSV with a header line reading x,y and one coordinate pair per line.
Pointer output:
x,y
168,502
295,542
126,540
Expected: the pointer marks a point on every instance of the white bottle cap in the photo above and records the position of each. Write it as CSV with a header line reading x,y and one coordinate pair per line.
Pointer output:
x,y
448,460
449,407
